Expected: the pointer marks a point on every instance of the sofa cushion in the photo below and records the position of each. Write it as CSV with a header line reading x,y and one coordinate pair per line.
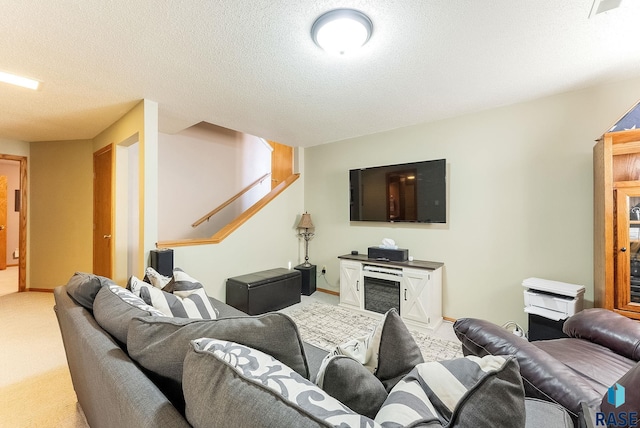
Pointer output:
x,y
83,287
218,375
607,328
115,306
546,414
160,344
597,365
348,381
186,304
464,392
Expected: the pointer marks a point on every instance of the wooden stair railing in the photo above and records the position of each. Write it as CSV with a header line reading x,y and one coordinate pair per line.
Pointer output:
x,y
229,201
237,222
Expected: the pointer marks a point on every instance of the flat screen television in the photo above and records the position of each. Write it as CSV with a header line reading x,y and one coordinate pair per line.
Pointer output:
x,y
409,192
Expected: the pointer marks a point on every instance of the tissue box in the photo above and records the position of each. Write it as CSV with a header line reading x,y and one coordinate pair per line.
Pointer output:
x,y
393,255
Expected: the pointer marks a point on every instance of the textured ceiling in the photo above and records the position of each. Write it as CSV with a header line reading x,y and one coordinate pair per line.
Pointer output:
x,y
251,65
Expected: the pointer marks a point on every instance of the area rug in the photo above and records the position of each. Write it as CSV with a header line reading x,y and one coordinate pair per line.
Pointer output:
x,y
327,326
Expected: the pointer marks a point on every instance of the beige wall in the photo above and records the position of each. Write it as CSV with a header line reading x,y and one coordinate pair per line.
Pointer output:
x,y
60,211
520,197
61,196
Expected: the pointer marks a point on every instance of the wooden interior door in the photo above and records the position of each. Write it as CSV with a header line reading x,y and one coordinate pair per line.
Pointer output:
x,y
3,222
281,163
102,212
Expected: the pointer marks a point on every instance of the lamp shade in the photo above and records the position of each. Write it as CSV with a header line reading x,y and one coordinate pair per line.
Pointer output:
x,y
305,222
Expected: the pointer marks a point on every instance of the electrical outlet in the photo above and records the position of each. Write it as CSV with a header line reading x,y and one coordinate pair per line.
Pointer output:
x,y
324,269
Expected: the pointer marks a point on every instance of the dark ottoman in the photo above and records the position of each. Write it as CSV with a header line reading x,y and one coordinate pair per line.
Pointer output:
x,y
265,291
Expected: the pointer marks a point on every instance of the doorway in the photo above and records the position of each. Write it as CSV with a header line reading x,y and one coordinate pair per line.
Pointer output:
x,y
116,211
102,212
13,222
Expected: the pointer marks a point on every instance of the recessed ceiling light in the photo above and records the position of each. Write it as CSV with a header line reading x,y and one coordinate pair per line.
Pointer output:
x,y
341,30
19,80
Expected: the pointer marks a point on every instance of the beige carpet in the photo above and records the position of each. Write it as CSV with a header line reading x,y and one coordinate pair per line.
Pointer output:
x,y
35,385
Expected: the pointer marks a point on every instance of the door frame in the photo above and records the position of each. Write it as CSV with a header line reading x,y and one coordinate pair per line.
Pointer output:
x,y
22,224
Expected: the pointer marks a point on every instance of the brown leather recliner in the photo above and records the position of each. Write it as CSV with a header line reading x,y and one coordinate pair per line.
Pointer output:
x,y
603,348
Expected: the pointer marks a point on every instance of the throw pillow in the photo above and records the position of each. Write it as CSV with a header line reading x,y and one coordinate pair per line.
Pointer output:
x,y
348,381
389,352
83,287
464,392
219,374
160,344
156,279
190,305
115,306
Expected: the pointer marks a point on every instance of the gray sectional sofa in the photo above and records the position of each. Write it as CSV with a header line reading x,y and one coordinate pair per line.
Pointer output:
x,y
131,367
112,389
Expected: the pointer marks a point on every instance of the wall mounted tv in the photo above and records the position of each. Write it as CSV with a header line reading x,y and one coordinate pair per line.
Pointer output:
x,y
410,192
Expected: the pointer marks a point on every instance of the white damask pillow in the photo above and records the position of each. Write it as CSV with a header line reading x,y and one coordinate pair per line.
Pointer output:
x,y
156,279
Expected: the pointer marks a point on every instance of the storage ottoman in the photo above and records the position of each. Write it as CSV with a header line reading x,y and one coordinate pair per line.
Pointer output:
x,y
265,291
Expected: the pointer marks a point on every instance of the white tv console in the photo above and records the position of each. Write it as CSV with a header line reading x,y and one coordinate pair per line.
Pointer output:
x,y
419,285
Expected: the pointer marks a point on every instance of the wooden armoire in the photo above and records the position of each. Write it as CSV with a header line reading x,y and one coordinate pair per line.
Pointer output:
x,y
616,183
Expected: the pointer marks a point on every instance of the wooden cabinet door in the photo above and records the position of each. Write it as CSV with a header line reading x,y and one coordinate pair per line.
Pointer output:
x,y
627,249
415,295
351,284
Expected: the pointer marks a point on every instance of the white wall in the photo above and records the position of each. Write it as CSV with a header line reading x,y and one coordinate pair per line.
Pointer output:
x,y
199,169
267,240
520,197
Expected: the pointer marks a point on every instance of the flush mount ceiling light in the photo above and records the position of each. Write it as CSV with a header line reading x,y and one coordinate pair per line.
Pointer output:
x,y
19,80
341,30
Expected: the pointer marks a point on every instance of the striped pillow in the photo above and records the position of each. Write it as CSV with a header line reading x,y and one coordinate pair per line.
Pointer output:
x,y
471,391
192,304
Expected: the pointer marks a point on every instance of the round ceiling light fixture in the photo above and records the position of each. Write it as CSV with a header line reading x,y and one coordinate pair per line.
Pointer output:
x,y
341,30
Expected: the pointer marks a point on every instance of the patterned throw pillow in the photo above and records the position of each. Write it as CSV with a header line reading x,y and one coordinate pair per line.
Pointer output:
x,y
192,304
218,374
464,392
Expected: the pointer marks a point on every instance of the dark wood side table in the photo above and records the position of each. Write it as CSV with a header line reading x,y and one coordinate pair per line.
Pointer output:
x,y
308,278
